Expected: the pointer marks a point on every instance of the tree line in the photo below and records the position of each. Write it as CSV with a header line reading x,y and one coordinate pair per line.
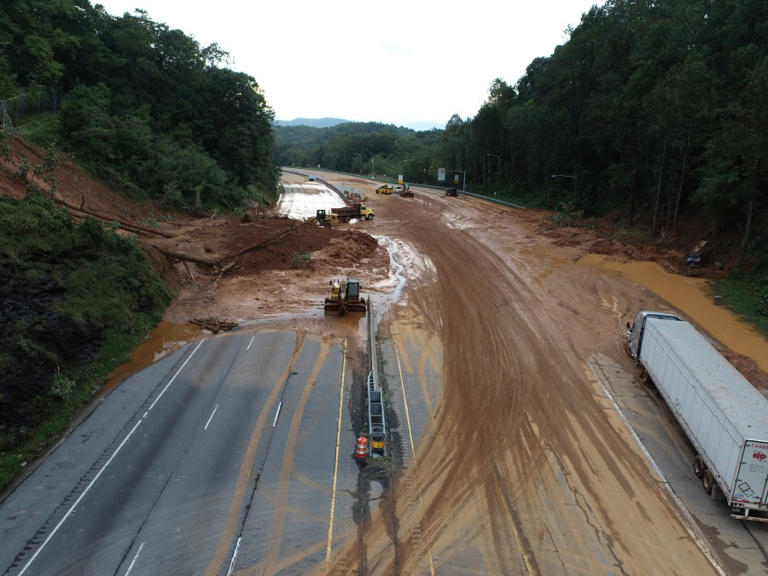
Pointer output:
x,y
369,148
144,106
649,108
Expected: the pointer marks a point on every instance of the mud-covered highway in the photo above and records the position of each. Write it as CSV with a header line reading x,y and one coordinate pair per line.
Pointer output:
x,y
223,453
521,441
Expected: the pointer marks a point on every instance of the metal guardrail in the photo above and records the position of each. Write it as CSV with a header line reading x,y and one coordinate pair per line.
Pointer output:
x,y
377,421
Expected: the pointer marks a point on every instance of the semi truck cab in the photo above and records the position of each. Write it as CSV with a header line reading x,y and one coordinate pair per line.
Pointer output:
x,y
634,333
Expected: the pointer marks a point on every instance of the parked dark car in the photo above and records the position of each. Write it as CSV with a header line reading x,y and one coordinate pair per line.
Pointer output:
x,y
451,192
694,260
698,256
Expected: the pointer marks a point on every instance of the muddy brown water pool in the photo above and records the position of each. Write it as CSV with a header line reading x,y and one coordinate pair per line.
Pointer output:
x,y
692,297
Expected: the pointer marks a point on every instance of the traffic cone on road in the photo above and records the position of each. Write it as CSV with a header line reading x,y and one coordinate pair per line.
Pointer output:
x,y
361,450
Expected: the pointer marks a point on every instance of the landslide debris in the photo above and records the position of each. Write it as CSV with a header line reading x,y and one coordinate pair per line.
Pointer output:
x,y
80,284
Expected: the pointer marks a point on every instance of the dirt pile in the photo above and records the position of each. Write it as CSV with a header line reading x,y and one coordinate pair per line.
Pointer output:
x,y
230,266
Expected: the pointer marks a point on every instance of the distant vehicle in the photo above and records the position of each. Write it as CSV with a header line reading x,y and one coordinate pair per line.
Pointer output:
x,y
384,189
312,178
451,192
697,257
398,188
723,415
406,192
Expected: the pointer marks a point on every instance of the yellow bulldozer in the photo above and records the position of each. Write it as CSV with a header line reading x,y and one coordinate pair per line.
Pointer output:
x,y
345,297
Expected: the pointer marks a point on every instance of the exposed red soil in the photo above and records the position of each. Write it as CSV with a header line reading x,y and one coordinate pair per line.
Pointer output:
x,y
221,265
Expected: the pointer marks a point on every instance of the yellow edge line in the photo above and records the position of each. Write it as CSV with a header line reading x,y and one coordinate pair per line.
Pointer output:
x,y
336,463
405,401
413,448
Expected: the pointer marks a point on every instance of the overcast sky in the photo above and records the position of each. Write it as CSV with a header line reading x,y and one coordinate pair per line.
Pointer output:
x,y
398,62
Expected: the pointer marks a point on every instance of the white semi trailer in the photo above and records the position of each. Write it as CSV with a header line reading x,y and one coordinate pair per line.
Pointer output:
x,y
723,415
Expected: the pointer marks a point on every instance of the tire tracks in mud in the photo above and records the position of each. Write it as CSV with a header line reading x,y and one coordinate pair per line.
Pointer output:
x,y
521,443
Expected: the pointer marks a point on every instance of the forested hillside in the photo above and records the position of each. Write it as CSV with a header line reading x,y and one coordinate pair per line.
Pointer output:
x,y
142,105
650,108
154,114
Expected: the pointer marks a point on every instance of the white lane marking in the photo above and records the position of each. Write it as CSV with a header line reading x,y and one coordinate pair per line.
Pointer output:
x,y
249,343
336,460
234,556
174,376
279,406
87,488
101,471
211,417
128,572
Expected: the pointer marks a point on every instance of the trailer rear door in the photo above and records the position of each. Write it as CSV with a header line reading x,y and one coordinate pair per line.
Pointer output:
x,y
752,480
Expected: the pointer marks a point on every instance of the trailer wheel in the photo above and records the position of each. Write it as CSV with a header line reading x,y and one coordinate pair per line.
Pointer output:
x,y
698,466
369,217
707,481
644,378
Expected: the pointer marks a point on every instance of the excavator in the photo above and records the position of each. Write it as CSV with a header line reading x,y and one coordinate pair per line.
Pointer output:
x,y
345,297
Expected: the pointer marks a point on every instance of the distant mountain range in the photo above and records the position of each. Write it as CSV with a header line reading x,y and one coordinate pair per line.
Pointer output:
x,y
329,122
312,122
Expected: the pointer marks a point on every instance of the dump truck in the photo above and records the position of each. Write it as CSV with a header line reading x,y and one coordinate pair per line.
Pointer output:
x,y
384,189
345,296
723,415
359,211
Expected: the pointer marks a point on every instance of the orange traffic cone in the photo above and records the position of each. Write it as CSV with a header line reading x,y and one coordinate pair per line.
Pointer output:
x,y
361,450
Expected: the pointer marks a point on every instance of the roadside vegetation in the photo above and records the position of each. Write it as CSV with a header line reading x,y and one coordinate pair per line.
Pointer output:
x,y
75,300
142,106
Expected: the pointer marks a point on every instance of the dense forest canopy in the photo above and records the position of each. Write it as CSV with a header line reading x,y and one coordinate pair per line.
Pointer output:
x,y
141,104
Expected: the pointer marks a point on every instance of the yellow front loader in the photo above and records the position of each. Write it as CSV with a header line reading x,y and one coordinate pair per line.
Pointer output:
x,y
345,297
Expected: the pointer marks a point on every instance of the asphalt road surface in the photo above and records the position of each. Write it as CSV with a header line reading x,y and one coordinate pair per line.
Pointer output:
x,y
225,454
